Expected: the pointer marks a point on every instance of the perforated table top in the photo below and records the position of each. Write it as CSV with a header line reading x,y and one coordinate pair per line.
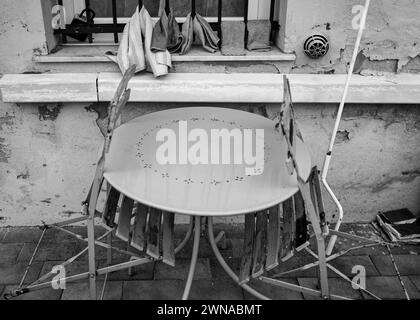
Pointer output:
x,y
210,189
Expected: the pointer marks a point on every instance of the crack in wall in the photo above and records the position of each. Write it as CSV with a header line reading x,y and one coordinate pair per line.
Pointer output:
x,y
387,182
101,109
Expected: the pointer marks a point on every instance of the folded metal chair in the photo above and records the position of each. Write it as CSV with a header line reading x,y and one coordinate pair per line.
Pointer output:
x,y
153,234
273,236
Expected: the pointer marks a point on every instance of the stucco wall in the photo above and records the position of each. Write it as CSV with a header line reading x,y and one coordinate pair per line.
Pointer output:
x,y
47,152
23,33
391,40
47,156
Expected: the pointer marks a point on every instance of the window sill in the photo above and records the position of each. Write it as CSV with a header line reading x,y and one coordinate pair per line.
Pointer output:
x,y
213,87
96,53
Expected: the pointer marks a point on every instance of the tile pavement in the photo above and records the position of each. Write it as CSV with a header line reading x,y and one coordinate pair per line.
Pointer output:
x,y
159,281
389,287
337,286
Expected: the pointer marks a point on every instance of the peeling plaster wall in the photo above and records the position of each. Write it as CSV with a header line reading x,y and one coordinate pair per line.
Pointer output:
x,y
22,34
391,40
47,156
50,154
376,159
47,152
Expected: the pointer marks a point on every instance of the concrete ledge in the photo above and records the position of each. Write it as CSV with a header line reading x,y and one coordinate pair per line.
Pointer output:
x,y
197,87
88,53
213,87
59,87
392,88
264,88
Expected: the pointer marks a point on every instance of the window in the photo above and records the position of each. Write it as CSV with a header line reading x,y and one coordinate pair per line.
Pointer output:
x,y
257,9
231,10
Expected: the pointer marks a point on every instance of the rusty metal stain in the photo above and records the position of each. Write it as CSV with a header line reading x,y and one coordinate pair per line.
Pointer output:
x,y
47,112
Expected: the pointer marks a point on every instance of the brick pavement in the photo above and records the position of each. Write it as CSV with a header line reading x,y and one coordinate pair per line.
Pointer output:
x,y
159,281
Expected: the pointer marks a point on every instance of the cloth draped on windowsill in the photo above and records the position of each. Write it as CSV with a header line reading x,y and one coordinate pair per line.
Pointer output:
x,y
135,47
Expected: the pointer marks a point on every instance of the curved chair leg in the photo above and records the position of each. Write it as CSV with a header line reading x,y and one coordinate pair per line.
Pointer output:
x,y
221,239
197,231
186,238
224,265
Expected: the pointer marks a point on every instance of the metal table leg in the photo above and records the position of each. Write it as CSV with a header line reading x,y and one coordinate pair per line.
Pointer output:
x,y
197,230
224,265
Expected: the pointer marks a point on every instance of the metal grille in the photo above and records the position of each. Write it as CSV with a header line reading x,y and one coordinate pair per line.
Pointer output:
x,y
115,28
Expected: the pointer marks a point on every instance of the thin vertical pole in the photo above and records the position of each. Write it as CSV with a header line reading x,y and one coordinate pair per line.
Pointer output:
x,y
246,22
90,224
63,36
140,4
167,7
327,160
192,8
219,21
88,17
114,19
246,5
272,7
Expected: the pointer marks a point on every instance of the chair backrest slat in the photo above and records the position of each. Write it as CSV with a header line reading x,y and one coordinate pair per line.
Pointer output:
x,y
111,205
301,223
168,250
153,235
259,251
288,232
316,191
288,126
273,238
246,263
124,219
138,240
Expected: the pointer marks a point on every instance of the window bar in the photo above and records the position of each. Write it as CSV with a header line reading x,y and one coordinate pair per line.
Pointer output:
x,y
63,35
246,6
167,7
193,9
88,17
273,24
140,4
219,21
114,19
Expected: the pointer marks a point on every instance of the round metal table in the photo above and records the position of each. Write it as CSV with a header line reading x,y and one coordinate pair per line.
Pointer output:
x,y
202,190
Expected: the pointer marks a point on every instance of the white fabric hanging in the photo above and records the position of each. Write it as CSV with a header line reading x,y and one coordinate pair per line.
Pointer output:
x,y
133,50
159,62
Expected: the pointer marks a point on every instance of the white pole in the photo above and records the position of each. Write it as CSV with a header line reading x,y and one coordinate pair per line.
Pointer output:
x,y
337,123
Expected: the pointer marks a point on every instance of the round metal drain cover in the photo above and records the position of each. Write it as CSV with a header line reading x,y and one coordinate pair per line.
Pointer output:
x,y
316,46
